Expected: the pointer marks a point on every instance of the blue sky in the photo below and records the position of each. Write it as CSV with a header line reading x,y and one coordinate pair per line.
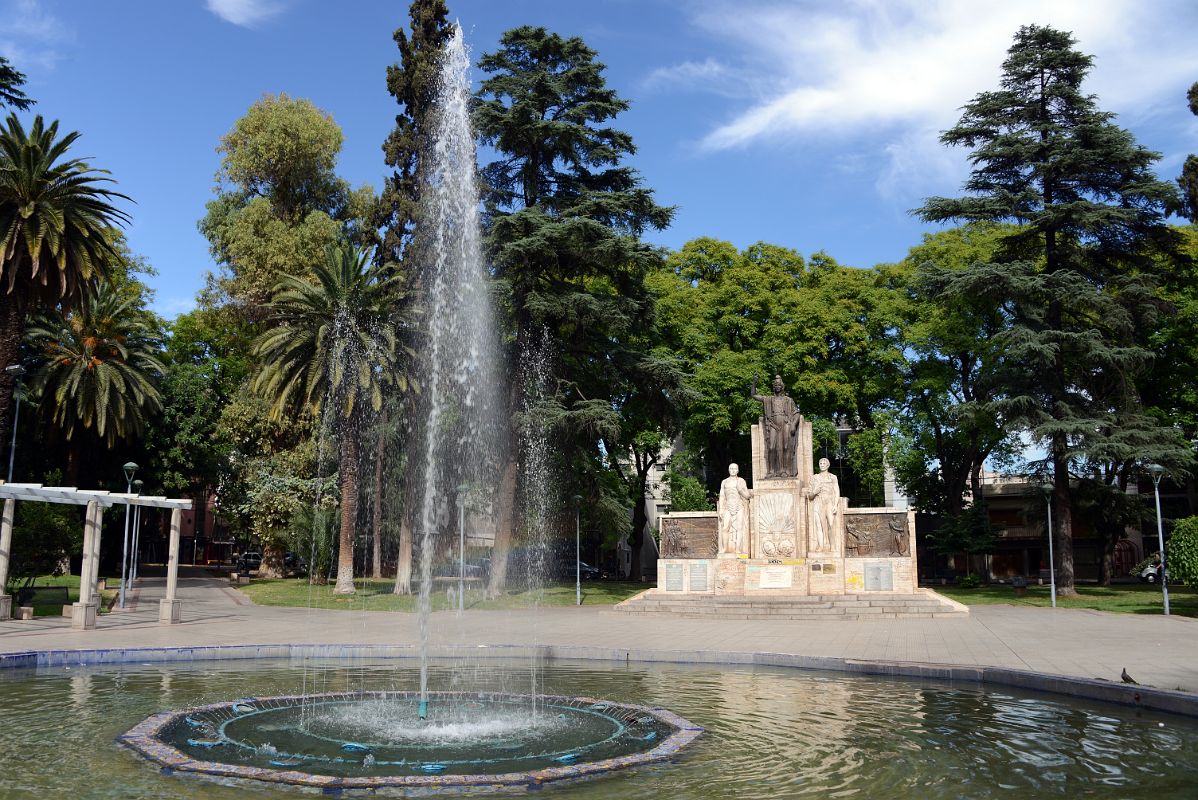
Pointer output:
x,y
806,124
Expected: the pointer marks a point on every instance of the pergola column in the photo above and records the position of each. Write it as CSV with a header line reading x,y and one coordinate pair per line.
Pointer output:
x,y
98,530
168,607
5,554
83,613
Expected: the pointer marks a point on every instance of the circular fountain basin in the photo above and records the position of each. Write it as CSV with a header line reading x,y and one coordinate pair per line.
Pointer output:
x,y
372,740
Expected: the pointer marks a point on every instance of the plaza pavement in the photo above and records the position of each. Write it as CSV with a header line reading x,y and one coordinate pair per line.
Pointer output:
x,y
1157,651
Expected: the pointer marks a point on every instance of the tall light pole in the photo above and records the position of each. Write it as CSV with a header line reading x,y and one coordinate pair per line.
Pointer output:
x,y
577,549
17,371
137,487
1052,564
462,547
130,469
1157,472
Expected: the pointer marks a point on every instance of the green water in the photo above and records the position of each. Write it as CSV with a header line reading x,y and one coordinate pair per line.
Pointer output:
x,y
770,733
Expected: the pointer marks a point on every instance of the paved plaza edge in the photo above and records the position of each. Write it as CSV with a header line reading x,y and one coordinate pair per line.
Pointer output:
x,y
1074,651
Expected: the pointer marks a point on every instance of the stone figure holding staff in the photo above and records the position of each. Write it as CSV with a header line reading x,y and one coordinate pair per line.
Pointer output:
x,y
779,429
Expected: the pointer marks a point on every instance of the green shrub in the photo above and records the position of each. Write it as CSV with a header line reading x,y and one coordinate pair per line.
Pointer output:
x,y
1181,554
969,581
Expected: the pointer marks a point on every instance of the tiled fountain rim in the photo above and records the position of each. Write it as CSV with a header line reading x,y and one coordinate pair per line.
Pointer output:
x,y
143,739
1084,688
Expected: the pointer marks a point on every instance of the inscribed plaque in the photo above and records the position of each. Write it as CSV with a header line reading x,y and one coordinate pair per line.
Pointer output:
x,y
698,576
776,578
673,577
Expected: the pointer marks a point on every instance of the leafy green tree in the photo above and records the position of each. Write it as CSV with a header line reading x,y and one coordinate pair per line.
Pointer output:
x,y
279,201
948,420
1189,171
100,369
830,331
1085,206
11,81
413,83
1181,554
55,212
334,346
564,218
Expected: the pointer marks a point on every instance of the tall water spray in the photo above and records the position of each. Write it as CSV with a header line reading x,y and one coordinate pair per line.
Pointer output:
x,y
461,426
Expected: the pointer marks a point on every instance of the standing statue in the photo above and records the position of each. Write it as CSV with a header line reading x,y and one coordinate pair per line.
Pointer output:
x,y
733,510
780,430
823,490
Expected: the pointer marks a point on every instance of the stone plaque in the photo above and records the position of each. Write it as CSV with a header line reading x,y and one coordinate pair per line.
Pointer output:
x,y
674,578
689,537
776,578
698,576
876,534
879,576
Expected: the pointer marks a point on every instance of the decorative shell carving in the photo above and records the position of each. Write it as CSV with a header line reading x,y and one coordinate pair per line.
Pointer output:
x,y
775,518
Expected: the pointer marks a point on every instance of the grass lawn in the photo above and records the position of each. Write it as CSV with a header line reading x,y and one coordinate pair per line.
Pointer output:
x,y
45,605
372,595
1129,598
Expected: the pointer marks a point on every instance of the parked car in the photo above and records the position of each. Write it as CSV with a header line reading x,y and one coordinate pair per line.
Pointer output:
x,y
294,565
1152,573
249,562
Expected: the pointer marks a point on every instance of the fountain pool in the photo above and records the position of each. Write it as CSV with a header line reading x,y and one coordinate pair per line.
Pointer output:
x,y
769,732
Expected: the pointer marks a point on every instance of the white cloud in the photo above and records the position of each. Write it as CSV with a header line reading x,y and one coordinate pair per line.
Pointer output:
x,y
172,307
689,74
895,72
30,36
246,13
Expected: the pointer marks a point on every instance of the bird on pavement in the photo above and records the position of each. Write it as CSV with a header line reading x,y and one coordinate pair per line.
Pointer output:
x,y
1127,678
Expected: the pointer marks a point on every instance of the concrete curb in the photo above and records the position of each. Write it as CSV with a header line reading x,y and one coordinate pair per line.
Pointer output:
x,y
1088,689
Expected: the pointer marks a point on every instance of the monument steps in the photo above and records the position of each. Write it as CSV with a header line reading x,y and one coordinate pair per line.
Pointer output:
x,y
816,607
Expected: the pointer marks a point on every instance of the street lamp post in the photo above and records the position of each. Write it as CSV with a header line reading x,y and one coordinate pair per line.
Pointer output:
x,y
577,550
1157,472
16,370
462,548
130,469
137,487
1052,564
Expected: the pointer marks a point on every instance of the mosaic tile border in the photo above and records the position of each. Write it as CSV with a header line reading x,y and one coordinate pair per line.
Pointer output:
x,y
142,739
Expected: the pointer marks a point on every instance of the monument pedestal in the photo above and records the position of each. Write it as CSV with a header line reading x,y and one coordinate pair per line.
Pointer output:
x,y
5,606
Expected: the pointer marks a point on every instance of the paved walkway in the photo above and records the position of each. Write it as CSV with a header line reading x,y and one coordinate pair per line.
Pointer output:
x,y
1158,651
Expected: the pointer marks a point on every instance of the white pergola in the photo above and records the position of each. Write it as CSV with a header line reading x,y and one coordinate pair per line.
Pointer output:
x,y
83,615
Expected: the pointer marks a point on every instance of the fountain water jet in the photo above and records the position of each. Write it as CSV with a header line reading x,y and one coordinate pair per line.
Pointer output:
x,y
460,431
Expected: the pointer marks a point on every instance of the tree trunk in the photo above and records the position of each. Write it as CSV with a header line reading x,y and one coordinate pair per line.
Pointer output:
x,y
376,566
504,528
272,560
349,513
403,568
12,325
1062,521
640,515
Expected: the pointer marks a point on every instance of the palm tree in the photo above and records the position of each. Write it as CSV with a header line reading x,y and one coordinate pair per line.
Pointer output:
x,y
100,367
54,212
334,348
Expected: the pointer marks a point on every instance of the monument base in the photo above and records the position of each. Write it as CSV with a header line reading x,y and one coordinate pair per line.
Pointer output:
x,y
168,612
83,616
815,575
5,606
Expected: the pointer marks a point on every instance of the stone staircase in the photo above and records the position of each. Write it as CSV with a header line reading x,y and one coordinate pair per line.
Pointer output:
x,y
924,604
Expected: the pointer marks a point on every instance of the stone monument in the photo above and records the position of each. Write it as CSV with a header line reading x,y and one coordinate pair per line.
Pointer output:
x,y
792,533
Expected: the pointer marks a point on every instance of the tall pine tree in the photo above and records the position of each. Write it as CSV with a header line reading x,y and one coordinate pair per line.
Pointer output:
x,y
1070,278
564,218
1189,172
413,84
